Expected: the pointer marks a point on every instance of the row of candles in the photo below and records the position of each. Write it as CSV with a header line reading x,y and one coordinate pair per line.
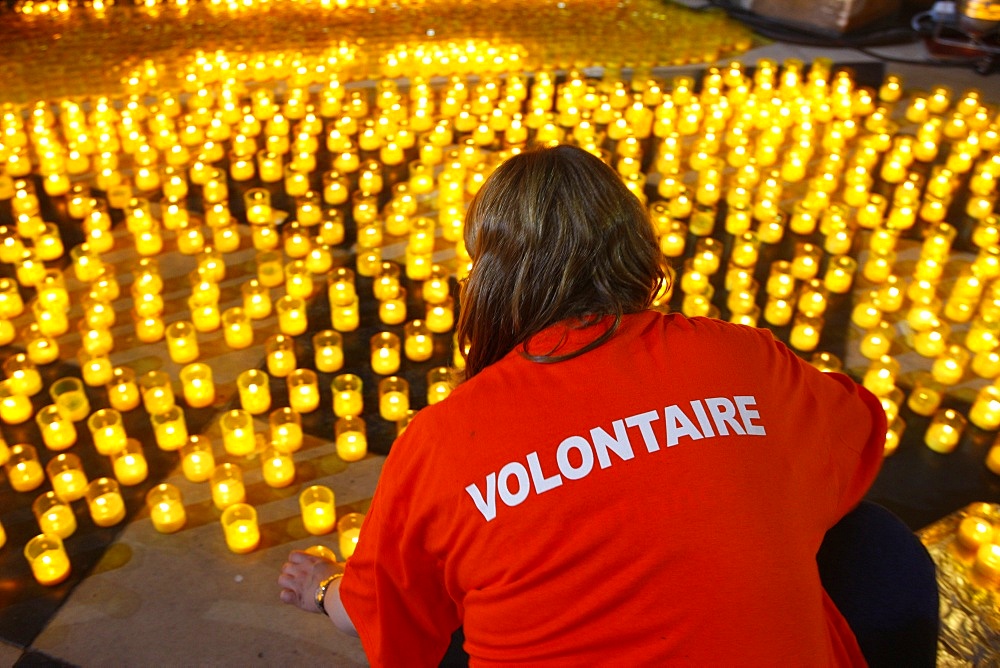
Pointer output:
x,y
50,563
632,119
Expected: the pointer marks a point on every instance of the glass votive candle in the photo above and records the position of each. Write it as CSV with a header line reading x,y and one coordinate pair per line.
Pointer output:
x,y
880,377
827,362
254,390
319,514
986,364
239,525
436,288
166,508
394,398
105,502
347,395
54,515
270,272
303,390
256,299
385,353
47,558
129,463
877,341
812,301
107,430
805,333
95,340
15,408
23,468
345,318
292,318
839,276
348,532
237,329
805,264
298,280
170,429
197,385
123,393
24,376
182,342
945,430
197,459
418,341
277,467
280,352
157,392
65,472
985,410
933,341
949,367
341,287
392,310
286,430
58,432
95,368
204,309
780,282
148,329
238,436
227,486
440,318
439,384
893,436
328,350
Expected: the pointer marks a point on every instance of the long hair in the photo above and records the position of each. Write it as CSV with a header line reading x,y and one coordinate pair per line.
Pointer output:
x,y
554,235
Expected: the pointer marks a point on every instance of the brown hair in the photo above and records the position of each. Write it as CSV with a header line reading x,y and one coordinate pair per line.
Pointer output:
x,y
554,234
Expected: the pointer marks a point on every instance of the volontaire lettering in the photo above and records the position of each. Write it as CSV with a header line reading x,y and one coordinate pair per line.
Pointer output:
x,y
577,456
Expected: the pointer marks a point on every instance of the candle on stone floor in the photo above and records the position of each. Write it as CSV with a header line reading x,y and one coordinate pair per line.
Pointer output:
x,y
280,354
805,333
298,280
157,392
23,468
285,429
166,508
54,515
227,486
341,287
254,391
328,351
65,473
238,436
880,377
385,353
258,206
277,468
949,367
987,564
105,502
197,384
256,299
129,463
182,342
239,524
204,311
170,429
440,318
439,384
347,395
985,410
24,376
15,407
47,558
351,438
893,435
197,459
237,329
349,530
877,341
292,316
319,514
945,430
303,390
974,532
436,289
933,341
394,398
107,430
58,433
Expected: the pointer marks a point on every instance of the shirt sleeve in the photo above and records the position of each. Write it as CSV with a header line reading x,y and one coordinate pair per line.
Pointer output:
x,y
393,588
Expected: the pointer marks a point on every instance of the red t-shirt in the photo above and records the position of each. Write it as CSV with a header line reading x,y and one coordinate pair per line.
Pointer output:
x,y
658,500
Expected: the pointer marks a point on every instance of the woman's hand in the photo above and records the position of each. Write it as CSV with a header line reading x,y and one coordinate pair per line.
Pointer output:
x,y
301,576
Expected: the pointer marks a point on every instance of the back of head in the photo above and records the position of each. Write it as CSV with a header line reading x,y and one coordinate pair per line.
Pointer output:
x,y
554,234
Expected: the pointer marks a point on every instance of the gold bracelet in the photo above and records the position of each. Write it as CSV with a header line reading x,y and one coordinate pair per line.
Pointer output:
x,y
320,596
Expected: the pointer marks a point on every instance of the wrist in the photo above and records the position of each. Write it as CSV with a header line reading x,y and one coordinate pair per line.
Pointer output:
x,y
321,591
